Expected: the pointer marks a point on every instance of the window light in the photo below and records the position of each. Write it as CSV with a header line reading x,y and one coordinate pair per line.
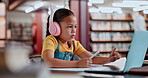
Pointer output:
x,y
124,5
97,1
93,10
136,2
89,4
145,11
38,5
140,8
29,9
110,10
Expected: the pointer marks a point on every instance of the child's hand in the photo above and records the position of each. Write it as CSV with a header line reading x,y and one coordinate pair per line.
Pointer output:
x,y
114,55
84,63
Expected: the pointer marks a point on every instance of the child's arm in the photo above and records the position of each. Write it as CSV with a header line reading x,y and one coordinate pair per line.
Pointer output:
x,y
96,59
104,60
49,59
101,60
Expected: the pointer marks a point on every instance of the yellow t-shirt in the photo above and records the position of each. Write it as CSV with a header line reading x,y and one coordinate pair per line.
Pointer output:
x,y
50,43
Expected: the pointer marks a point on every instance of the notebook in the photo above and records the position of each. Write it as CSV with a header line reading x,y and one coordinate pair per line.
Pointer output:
x,y
135,56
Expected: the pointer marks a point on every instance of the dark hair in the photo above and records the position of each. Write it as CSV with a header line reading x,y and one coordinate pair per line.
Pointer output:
x,y
59,15
47,31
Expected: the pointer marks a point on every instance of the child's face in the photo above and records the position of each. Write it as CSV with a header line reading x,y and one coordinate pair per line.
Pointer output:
x,y
68,28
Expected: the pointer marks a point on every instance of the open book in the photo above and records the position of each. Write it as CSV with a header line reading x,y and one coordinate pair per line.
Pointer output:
x,y
117,65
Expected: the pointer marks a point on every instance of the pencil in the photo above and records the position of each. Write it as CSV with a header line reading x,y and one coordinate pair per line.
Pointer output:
x,y
94,55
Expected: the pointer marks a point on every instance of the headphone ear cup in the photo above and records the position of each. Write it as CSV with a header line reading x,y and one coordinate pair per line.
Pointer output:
x,y
54,28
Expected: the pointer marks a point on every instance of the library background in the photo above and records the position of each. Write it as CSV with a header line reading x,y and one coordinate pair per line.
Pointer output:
x,y
103,24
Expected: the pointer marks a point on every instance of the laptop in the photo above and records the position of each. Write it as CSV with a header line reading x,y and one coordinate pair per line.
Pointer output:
x,y
135,56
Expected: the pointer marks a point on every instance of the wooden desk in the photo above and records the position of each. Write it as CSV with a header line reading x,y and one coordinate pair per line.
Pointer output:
x,y
65,74
61,74
134,73
140,70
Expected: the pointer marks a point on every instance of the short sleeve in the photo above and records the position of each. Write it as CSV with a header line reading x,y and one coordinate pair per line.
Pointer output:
x,y
50,43
78,48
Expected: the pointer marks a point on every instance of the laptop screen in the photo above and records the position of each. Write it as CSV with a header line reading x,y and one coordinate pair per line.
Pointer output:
x,y
137,50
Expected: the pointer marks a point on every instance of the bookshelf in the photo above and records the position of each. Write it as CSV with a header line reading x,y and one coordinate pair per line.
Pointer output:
x,y
108,31
21,33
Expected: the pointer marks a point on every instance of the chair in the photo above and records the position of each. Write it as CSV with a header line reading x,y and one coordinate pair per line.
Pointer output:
x,y
36,59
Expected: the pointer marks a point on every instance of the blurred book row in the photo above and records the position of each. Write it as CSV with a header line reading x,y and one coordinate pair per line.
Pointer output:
x,y
97,15
111,36
20,32
107,47
111,25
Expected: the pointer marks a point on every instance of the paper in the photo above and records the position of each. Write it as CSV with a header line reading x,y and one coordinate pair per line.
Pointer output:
x,y
118,63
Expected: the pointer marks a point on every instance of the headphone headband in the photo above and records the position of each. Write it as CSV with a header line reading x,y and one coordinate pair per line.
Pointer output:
x,y
53,9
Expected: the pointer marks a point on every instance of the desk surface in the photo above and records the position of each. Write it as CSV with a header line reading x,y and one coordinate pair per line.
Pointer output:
x,y
134,73
61,74
140,70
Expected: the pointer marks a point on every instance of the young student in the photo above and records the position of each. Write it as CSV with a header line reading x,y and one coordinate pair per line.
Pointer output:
x,y
60,46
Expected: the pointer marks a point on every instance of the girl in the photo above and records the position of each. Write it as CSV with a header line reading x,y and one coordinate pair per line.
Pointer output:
x,y
58,49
